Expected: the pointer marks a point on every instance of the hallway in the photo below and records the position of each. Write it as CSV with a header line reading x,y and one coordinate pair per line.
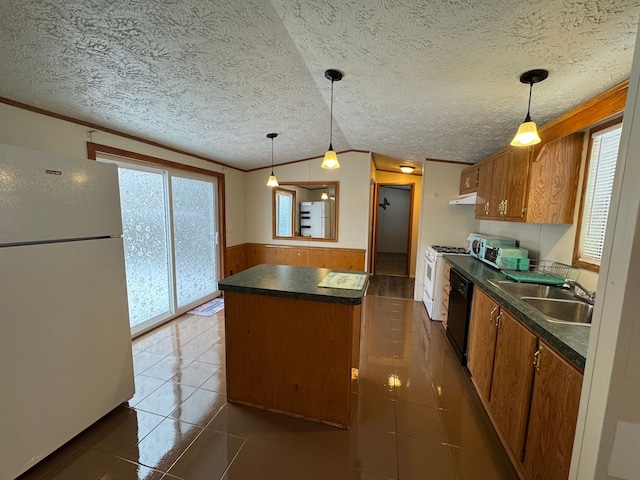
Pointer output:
x,y
416,416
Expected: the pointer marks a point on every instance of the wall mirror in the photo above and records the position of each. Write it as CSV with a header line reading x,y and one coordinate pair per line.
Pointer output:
x,y
305,210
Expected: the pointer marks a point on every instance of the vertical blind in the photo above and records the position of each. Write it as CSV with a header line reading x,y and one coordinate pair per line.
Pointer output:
x,y
602,167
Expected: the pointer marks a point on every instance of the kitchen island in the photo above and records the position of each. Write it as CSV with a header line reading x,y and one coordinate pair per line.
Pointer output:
x,y
291,346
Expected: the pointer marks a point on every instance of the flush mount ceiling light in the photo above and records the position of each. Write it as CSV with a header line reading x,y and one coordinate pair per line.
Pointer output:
x,y
528,133
273,181
330,158
406,168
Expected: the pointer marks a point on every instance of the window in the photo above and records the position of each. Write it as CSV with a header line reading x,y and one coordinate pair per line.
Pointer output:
x,y
596,194
284,202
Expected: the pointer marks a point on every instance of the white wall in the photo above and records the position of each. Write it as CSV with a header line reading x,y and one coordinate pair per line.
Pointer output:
x,y
353,199
441,223
23,128
393,221
608,432
544,242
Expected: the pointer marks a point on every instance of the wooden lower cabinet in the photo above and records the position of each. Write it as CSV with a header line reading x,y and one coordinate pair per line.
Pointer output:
x,y
552,421
446,290
512,381
533,406
484,312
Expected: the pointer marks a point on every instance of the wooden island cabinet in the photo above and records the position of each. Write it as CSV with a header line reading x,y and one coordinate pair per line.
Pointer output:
x,y
530,393
291,346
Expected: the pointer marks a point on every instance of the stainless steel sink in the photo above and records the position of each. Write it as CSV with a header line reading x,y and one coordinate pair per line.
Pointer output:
x,y
532,290
562,311
556,304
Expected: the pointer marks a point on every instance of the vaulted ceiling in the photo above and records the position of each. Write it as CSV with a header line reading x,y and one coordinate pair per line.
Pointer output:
x,y
422,79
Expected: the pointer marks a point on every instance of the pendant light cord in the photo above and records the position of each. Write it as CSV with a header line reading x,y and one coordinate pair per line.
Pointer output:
x,y
528,119
331,120
272,156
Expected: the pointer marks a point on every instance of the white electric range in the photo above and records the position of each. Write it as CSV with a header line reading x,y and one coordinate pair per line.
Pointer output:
x,y
433,277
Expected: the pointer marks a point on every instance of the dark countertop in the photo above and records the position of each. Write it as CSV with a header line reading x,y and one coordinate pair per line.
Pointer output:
x,y
300,283
570,340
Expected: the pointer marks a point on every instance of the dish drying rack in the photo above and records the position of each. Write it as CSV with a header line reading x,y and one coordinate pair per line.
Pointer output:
x,y
546,272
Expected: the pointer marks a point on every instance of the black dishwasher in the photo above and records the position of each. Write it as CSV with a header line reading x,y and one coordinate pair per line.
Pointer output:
x,y
459,314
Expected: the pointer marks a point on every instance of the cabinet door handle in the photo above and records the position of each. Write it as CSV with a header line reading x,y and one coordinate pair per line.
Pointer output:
x,y
467,182
504,212
498,318
486,208
536,359
491,319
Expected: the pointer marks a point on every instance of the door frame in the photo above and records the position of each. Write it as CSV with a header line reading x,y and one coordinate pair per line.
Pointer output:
x,y
374,223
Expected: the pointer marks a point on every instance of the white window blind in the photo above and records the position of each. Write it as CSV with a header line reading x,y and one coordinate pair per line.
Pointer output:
x,y
602,167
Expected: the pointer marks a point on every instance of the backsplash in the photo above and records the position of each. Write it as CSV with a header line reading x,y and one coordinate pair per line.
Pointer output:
x,y
544,242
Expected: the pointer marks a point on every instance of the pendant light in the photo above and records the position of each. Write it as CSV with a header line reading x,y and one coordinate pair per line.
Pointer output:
x,y
330,158
273,181
324,195
528,133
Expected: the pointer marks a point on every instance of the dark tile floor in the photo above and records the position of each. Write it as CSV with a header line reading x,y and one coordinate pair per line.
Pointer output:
x,y
416,418
390,286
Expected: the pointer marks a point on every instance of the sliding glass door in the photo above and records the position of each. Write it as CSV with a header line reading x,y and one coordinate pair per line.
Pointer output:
x,y
195,239
170,232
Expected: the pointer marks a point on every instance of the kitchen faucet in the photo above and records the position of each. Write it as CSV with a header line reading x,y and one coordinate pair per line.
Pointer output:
x,y
586,295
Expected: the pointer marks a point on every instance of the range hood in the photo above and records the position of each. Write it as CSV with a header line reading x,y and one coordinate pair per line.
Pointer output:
x,y
468,199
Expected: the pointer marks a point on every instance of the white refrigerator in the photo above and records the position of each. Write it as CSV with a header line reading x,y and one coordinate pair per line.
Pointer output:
x,y
65,345
315,220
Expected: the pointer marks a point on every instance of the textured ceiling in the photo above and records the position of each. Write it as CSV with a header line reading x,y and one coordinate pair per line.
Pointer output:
x,y
423,79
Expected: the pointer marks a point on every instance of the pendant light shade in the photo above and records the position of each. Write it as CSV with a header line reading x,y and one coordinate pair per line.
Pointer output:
x,y
330,158
324,195
273,181
527,132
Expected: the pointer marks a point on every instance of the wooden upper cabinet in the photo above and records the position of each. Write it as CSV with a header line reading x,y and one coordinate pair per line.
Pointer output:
x,y
543,188
484,314
502,186
469,180
554,414
515,197
554,181
513,186
499,180
485,176
512,381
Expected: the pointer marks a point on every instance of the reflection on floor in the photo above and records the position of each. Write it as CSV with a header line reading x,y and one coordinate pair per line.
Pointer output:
x,y
416,415
390,286
391,263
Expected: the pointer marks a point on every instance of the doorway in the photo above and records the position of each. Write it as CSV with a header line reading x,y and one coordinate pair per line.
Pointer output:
x,y
391,235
